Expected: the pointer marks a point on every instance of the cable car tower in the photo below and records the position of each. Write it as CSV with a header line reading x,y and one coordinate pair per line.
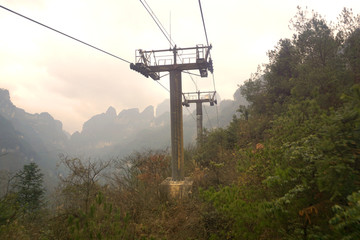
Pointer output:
x,y
199,98
150,64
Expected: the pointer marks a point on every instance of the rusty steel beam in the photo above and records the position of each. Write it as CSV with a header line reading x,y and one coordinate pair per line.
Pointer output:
x,y
178,67
177,144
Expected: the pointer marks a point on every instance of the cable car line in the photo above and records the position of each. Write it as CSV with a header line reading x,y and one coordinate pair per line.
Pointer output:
x,y
207,41
163,86
202,16
157,21
172,43
152,14
87,44
53,29
163,30
190,113
190,73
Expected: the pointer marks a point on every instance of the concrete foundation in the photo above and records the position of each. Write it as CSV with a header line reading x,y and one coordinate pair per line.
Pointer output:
x,y
176,190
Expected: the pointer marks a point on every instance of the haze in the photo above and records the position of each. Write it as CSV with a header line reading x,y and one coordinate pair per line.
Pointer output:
x,y
47,72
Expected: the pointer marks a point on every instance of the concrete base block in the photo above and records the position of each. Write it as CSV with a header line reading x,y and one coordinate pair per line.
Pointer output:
x,y
176,190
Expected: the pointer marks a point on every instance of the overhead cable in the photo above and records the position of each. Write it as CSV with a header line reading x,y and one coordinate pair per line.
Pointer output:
x,y
213,79
163,30
217,111
190,73
172,43
163,86
190,113
87,44
207,41
156,20
202,16
196,87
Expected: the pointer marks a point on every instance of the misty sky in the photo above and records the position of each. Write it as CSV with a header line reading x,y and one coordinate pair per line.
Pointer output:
x,y
47,72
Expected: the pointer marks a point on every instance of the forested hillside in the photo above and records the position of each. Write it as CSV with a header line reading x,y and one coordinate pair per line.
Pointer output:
x,y
287,168
296,148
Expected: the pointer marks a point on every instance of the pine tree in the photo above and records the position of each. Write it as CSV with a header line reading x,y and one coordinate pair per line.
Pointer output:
x,y
29,187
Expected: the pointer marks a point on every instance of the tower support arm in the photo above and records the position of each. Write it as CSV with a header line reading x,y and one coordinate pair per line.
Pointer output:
x,y
178,67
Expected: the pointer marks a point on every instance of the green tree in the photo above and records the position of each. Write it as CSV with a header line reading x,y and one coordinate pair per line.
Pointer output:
x,y
103,221
352,54
29,188
306,116
346,219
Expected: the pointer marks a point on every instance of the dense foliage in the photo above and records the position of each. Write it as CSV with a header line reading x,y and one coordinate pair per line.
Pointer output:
x,y
297,148
287,168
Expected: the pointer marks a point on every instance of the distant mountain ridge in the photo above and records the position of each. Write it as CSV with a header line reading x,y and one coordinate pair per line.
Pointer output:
x,y
109,129
40,133
40,137
14,151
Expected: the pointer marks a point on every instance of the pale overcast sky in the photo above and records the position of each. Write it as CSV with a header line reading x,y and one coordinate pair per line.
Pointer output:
x,y
47,72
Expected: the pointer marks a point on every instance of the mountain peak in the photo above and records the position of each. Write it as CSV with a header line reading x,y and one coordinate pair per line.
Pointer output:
x,y
4,95
111,111
129,113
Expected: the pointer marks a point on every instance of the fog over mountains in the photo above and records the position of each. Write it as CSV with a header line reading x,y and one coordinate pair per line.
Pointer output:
x,y
26,137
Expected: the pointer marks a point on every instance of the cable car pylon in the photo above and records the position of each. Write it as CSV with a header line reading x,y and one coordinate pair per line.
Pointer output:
x,y
151,63
199,98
